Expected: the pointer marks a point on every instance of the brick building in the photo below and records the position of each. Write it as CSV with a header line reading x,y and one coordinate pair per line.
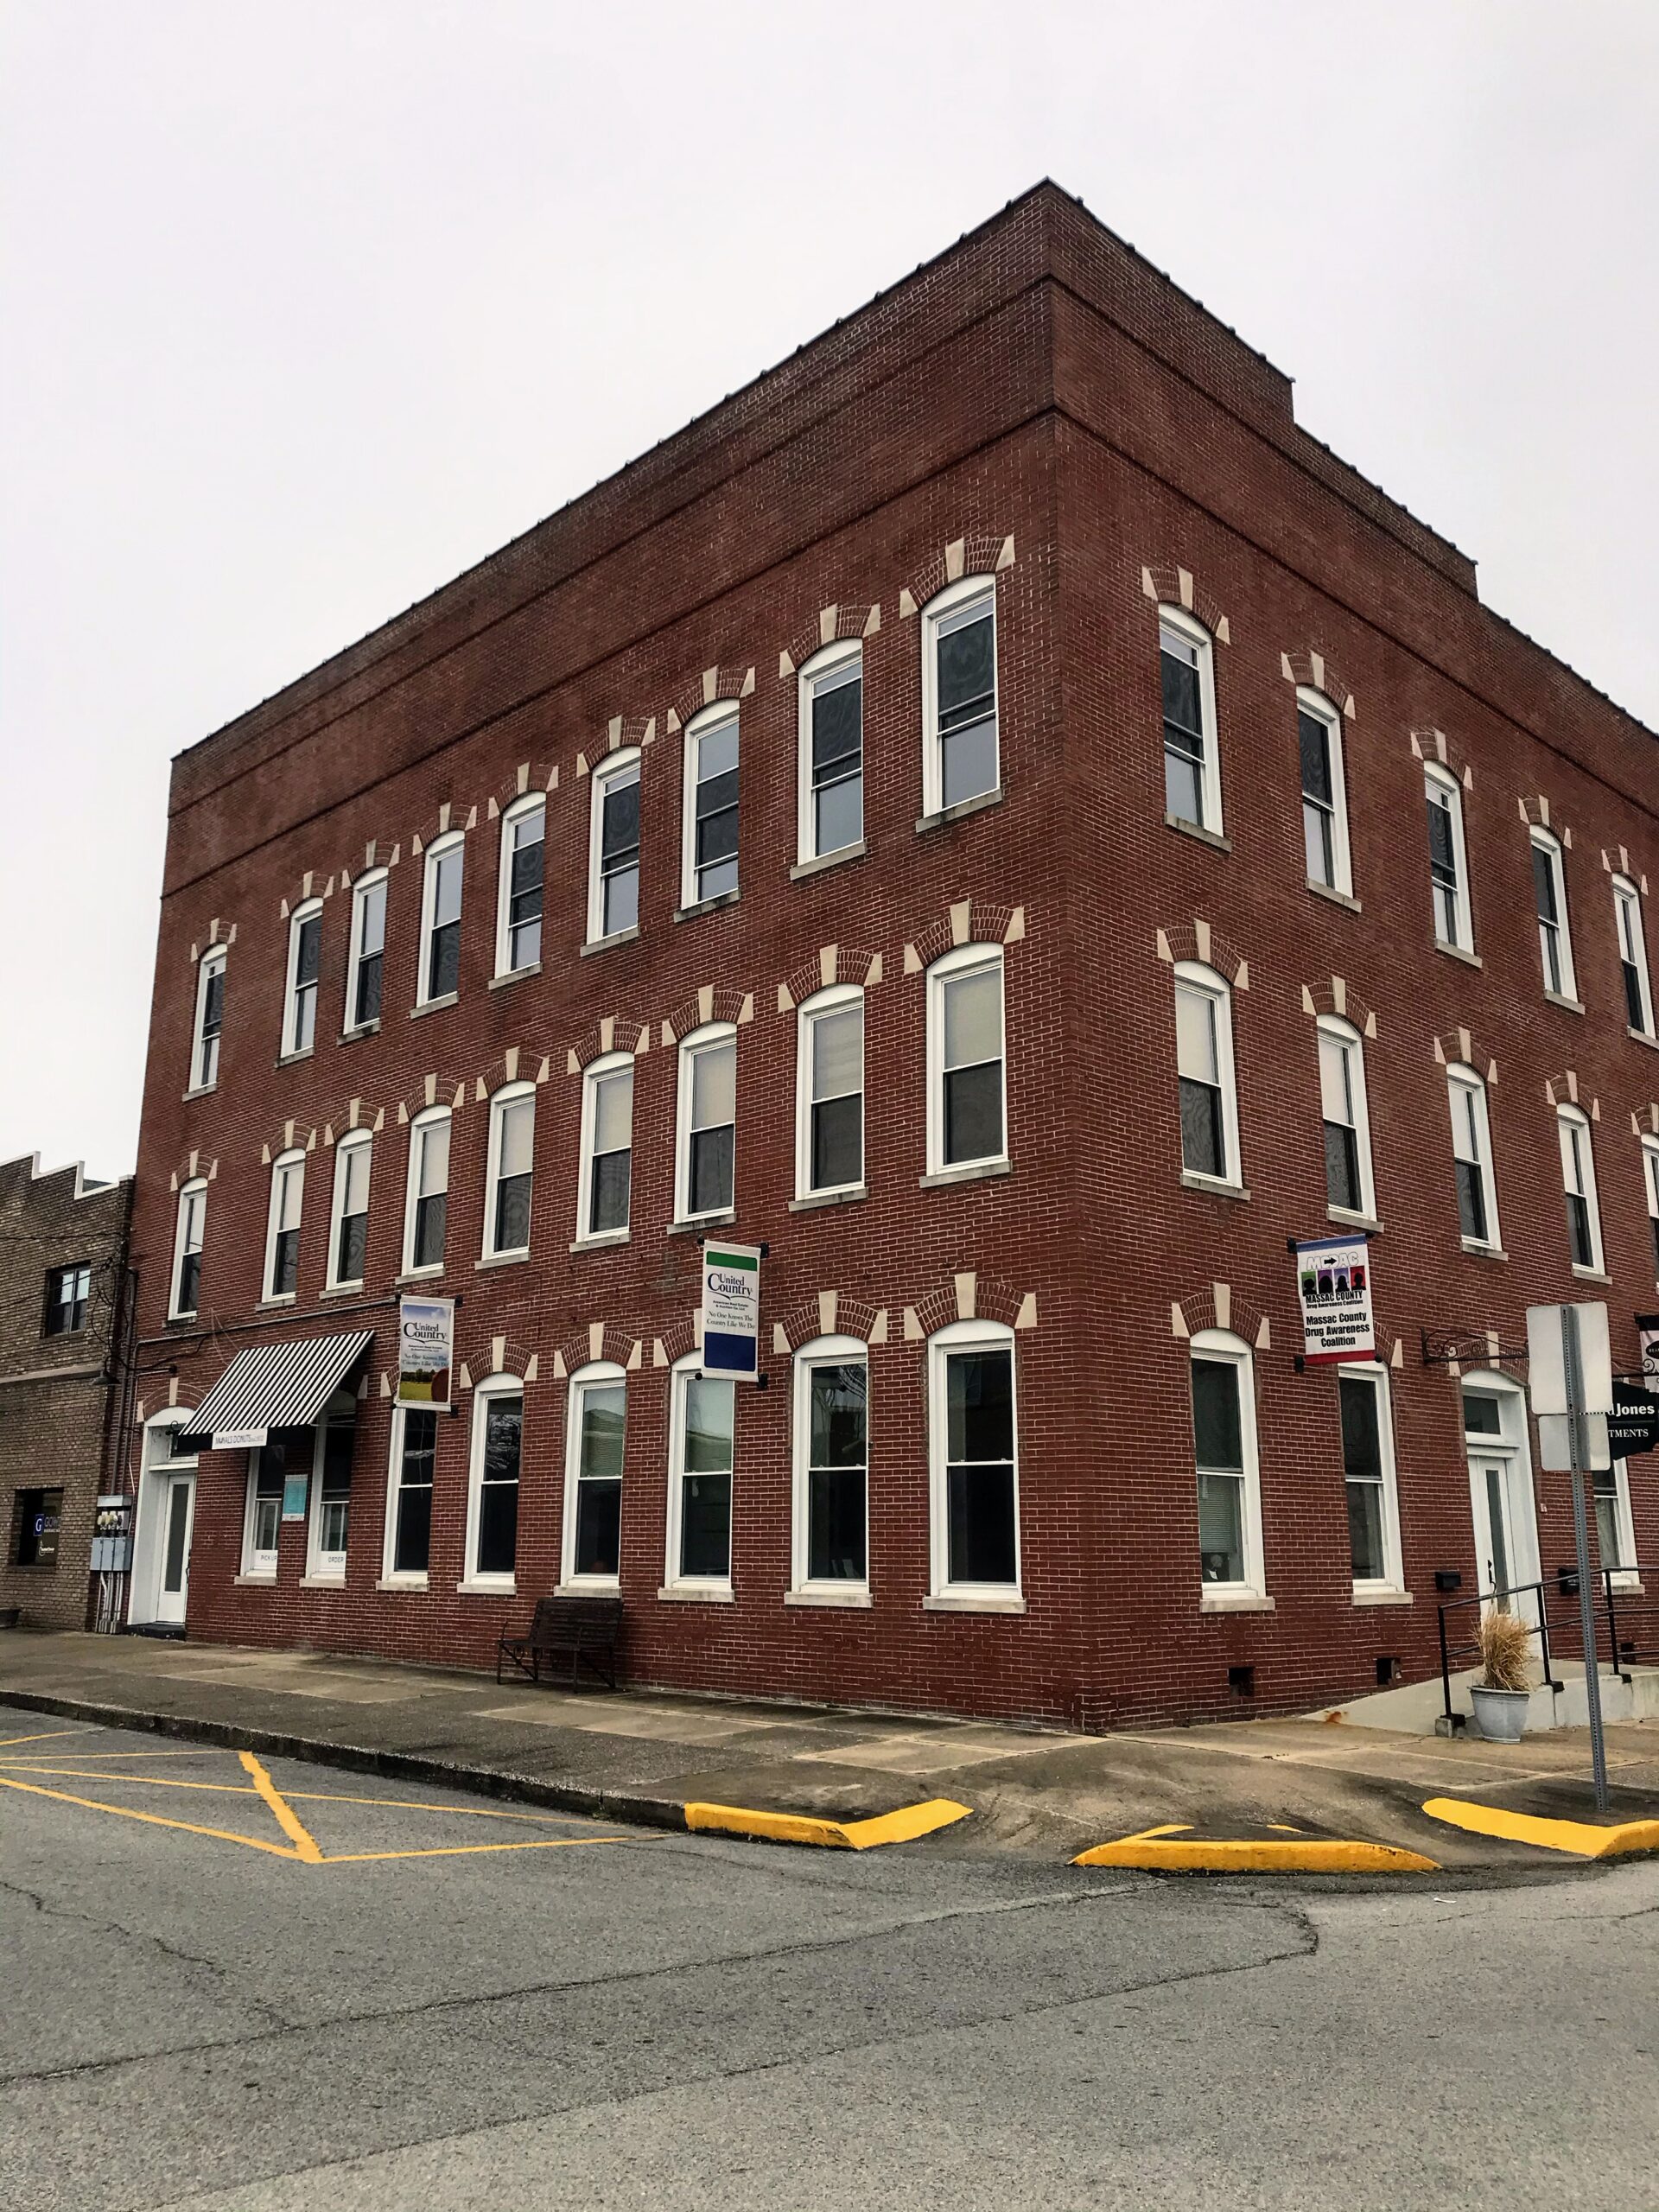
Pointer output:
x,y
63,1306
954,814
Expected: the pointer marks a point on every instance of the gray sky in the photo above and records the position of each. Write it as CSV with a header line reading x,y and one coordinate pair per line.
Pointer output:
x,y
310,303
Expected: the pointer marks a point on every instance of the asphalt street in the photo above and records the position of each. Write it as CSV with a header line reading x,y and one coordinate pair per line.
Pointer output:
x,y
264,1986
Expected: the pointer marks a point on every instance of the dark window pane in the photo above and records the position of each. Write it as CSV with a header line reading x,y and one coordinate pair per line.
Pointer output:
x,y
599,1526
838,1142
838,730
498,1528
612,1174
285,1270
717,819
443,969
1201,1128
619,828
368,988
1578,1230
1441,853
1183,708
1315,740
835,1537
705,1525
189,1282
1341,1165
1365,1531
711,1169
973,1113
1221,1528
1217,1432
1362,1446
967,668
1543,884
428,1229
353,1247
1482,1416
1472,1200
837,1435
1634,1008
512,1213
980,1513
979,1406
213,1010
309,956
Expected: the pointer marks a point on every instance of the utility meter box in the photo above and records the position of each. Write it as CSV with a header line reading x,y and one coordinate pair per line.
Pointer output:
x,y
112,1536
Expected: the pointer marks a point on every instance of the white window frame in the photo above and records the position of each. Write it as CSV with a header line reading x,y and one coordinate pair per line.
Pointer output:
x,y
439,848
1183,627
951,601
532,802
1436,778
596,1073
1460,1076
836,999
321,1566
1343,1033
1571,1121
193,1203
213,963
1375,1375
703,725
630,759
598,1374
392,1577
509,1094
358,1140
311,910
834,660
823,1352
958,1337
492,1387
1625,1578
1627,905
1319,709
285,1164
257,1565
378,879
1545,842
966,959
699,1041
419,1129
1192,976
681,1374
1649,1157
1222,1347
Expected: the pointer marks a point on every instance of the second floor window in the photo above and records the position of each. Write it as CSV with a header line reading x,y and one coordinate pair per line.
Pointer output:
x,y
1448,873
187,1250
1191,759
349,1240
368,951
304,965
283,1233
830,1137
518,932
1204,1054
832,750
711,757
210,1021
1324,798
613,855
68,1295
429,1191
1347,1133
708,1120
959,701
1651,1184
1579,1186
967,1122
1549,897
606,1148
1472,1153
439,974
1633,956
512,1147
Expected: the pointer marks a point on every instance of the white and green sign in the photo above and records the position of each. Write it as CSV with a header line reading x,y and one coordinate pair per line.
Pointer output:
x,y
731,1311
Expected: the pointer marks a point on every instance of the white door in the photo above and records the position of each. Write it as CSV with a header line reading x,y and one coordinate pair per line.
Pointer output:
x,y
178,1512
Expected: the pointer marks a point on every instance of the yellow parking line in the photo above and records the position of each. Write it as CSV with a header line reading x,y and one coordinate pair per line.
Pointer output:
x,y
1581,1839
45,1736
151,1820
305,1844
467,1850
148,1781
196,1753
902,1827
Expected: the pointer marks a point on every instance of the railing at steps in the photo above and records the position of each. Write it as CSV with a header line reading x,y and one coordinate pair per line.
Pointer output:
x,y
1551,1610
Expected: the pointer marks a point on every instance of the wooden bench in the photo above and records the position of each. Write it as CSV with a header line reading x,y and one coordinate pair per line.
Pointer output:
x,y
584,1631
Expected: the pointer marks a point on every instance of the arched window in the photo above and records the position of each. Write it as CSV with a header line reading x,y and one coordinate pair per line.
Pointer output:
x,y
282,1224
408,1497
518,889
959,756
605,1169
831,778
613,847
493,1483
967,1061
594,1435
1578,1187
210,1020
426,1206
304,967
706,1152
709,869
510,1172
1472,1153
831,1426
440,964
1325,792
702,1451
1348,1185
1191,752
189,1236
1448,863
1209,1096
830,1093
974,1464
348,1227
1228,1470
1549,896
1633,956
367,961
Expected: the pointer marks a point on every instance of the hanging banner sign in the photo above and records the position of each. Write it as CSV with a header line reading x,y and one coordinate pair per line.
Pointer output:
x,y
1647,1338
1633,1426
426,1351
1334,1276
731,1311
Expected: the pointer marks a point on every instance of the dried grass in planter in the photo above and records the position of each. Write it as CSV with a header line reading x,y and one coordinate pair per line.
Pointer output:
x,y
1505,1651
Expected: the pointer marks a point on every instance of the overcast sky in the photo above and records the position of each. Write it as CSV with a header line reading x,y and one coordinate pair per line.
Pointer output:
x,y
307,304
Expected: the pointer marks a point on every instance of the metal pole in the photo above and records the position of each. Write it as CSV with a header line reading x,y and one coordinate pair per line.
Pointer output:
x,y
1573,1363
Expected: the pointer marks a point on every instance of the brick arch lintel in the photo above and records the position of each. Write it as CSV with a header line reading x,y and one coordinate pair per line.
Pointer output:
x,y
528,776
450,816
1313,671
312,885
194,1167
1434,744
974,554
710,1004
678,1342
1564,1090
1197,941
1535,813
599,1340
970,1297
218,932
829,1314
488,1356
833,964
1218,1306
723,681
355,1114
835,624
518,1063
969,921
1179,588
378,852
290,1136
1460,1045
1644,1120
610,1033
622,733
435,1090
1335,997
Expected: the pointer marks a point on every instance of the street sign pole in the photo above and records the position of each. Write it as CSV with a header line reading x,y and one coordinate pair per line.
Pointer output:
x,y
1572,1361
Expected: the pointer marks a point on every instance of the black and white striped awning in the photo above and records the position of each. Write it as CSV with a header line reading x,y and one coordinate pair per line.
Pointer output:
x,y
276,1386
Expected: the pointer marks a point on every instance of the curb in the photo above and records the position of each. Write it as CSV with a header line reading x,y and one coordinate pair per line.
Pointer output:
x,y
902,1827
1580,1838
1252,1855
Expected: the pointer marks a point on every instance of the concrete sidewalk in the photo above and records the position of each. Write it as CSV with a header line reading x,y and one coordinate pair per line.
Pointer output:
x,y
640,1756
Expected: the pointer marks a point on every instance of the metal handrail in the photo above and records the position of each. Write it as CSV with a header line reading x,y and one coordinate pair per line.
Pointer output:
x,y
1564,1584
1499,1594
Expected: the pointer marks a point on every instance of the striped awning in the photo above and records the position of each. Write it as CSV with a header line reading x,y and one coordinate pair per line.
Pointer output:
x,y
276,1386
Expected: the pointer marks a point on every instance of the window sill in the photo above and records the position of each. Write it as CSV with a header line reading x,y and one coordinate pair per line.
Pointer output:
x,y
1192,1181
1343,898
283,1298
708,906
696,1226
692,1593
1456,952
1379,1594
1237,1601
500,1259
343,1290
847,1198
407,1582
1645,1037
604,944
434,1006
253,1582
1197,831
853,1596
1591,1274
322,1582
183,1321
361,1029
1570,1005
514,976
1479,1251
201,1090
1348,1219
822,861
970,1170
960,811
974,1602
488,1587
589,1586
292,1059
418,1274
603,1241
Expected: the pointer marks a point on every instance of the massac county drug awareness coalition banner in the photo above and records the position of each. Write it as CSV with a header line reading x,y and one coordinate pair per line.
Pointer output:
x,y
426,1348
731,1311
1333,1277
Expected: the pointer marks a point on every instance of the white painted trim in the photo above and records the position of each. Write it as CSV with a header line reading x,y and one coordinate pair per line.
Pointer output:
x,y
964,1337
949,967
822,1351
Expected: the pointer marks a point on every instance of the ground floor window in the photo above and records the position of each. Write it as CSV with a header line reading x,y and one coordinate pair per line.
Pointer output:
x,y
702,1430
267,1472
974,1459
593,1513
831,1418
414,1453
1368,1472
1224,1453
37,1517
497,1441
332,1503
1615,1536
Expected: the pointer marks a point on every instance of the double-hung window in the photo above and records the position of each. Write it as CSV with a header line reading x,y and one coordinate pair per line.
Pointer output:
x,y
1191,756
831,752
210,1021
68,1294
368,954
607,1161
967,1120
1549,897
1347,1130
283,1225
493,1490
1448,866
711,754
705,1169
1204,1054
1225,1451
427,1206
409,1507
1324,797
1615,1529
830,1093
1578,1186
518,920
187,1250
262,1526
1472,1153
1651,1184
440,972
331,1502
1633,956
973,1461
511,1162
959,704
595,1430
304,966
832,1458
703,1415
348,1232
1368,1472
613,848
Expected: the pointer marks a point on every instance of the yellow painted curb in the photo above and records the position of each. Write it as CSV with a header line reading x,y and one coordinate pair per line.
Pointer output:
x,y
902,1827
1158,1853
1582,1839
